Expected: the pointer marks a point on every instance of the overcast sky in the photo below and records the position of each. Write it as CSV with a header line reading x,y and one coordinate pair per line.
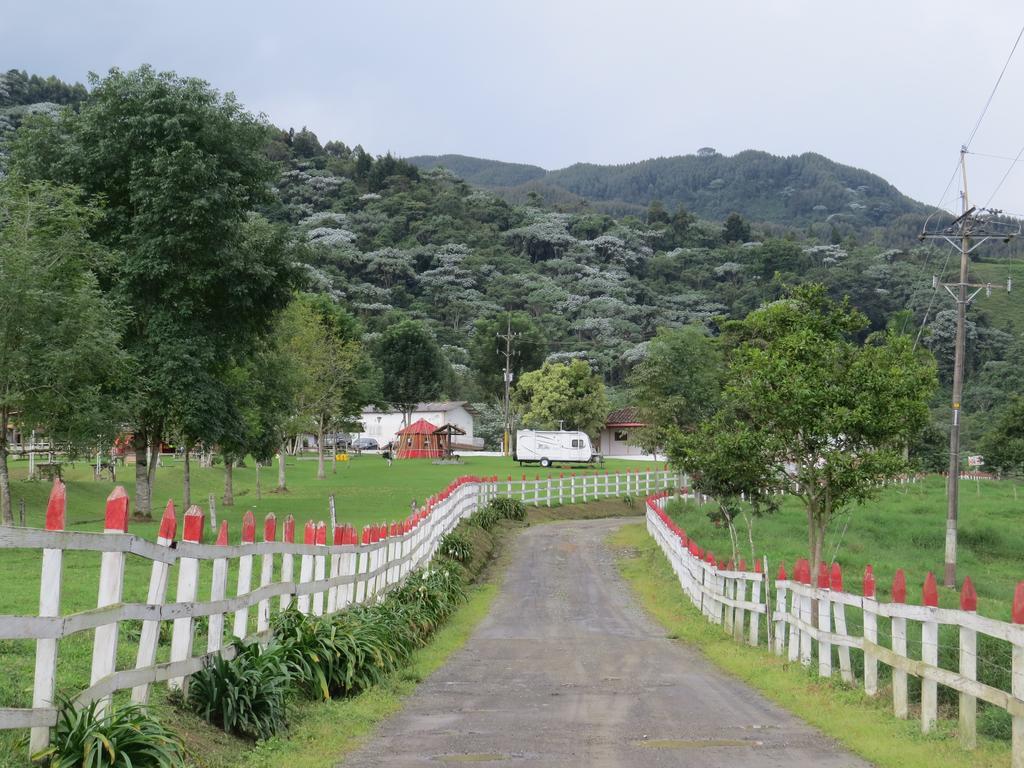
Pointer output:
x,y
893,87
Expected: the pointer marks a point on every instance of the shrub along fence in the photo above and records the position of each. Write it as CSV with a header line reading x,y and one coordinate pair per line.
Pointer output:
x,y
809,622
327,572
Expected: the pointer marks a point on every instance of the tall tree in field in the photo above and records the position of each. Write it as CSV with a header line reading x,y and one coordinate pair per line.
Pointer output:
x,y
831,416
58,333
335,378
179,167
412,366
562,392
677,385
487,349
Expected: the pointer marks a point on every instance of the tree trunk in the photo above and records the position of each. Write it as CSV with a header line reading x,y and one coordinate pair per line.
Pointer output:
x,y
229,488
320,474
186,479
143,506
281,486
6,510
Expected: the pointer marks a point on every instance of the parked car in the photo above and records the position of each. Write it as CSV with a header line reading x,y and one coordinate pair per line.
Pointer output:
x,y
366,444
339,441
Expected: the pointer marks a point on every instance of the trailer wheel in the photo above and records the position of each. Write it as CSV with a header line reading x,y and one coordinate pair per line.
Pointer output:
x,y
545,462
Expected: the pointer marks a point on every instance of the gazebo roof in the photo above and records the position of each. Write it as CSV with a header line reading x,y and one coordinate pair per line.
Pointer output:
x,y
419,427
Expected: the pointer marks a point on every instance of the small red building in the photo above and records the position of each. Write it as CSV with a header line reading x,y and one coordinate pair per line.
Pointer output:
x,y
419,441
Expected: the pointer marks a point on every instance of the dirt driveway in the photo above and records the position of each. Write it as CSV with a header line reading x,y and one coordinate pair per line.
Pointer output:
x,y
568,671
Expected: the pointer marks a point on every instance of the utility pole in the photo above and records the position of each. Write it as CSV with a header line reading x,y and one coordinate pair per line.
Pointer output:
x,y
509,353
966,233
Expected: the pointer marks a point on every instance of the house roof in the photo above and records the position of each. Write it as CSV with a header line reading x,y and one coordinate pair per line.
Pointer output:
x,y
419,427
625,417
442,406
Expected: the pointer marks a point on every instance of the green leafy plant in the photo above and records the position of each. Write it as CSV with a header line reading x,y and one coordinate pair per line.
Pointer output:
x,y
485,517
456,546
123,736
246,695
509,508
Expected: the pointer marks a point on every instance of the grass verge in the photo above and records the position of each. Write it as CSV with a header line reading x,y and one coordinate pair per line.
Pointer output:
x,y
863,725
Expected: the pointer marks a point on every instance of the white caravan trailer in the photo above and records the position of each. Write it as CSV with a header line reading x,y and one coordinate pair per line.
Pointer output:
x,y
548,447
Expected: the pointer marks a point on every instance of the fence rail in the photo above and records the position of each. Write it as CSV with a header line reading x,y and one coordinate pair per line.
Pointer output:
x,y
809,622
324,572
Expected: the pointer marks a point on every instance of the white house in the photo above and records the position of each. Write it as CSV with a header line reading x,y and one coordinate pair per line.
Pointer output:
x,y
614,439
382,425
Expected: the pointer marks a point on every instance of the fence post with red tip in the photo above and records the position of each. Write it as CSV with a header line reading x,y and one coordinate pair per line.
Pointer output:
x,y
899,647
870,606
188,585
104,649
266,573
43,688
149,637
337,539
240,628
968,669
218,589
320,567
306,563
839,622
824,596
929,653
806,612
288,560
758,589
740,595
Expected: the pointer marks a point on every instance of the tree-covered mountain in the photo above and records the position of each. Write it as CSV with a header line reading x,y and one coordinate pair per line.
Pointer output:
x,y
805,191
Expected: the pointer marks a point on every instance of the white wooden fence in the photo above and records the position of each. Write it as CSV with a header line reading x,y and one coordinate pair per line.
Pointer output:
x,y
809,622
327,572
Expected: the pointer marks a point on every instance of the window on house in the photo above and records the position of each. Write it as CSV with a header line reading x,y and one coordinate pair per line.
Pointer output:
x,y
620,436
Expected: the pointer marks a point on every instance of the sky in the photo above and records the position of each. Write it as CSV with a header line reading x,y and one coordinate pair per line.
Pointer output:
x,y
892,87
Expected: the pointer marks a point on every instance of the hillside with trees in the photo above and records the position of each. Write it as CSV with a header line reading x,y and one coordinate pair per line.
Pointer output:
x,y
388,241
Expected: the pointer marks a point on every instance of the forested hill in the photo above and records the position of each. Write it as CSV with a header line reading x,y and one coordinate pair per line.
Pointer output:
x,y
799,191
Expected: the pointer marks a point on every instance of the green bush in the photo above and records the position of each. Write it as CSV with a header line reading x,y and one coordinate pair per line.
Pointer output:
x,y
509,508
485,517
456,547
246,695
123,736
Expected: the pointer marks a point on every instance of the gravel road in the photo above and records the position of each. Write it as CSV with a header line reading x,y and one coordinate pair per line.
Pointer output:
x,y
567,670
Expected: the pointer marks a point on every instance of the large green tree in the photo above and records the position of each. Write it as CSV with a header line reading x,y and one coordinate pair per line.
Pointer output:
x,y
831,415
180,167
412,366
58,333
567,393
677,385
1003,446
487,349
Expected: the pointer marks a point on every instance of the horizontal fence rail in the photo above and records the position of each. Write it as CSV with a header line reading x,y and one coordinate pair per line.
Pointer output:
x,y
324,572
807,623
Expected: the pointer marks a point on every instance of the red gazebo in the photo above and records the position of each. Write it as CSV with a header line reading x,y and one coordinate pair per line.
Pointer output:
x,y
419,441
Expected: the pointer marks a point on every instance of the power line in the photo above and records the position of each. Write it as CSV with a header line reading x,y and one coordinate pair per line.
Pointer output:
x,y
995,87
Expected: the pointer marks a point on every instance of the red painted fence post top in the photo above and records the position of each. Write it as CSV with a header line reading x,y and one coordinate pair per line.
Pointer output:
x,y
899,587
968,597
289,529
743,564
248,527
56,506
836,578
781,575
116,517
270,527
823,580
1018,603
222,534
321,533
169,522
365,537
193,526
309,532
930,591
868,585
757,566
338,537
